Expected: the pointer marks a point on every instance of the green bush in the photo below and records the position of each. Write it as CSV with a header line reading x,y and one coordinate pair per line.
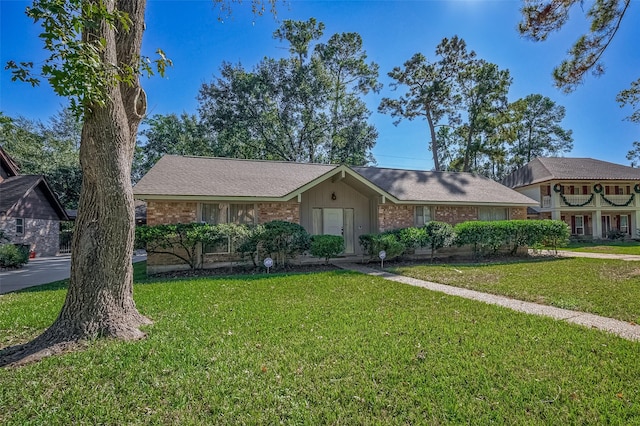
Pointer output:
x,y
439,235
488,237
278,239
326,246
373,244
13,256
182,240
412,238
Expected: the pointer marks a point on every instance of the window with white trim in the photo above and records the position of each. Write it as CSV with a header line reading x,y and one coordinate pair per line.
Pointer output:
x,y
624,223
19,226
492,213
216,213
579,221
422,215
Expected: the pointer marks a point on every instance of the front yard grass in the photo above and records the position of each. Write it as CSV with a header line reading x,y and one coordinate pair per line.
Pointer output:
x,y
601,286
612,247
334,347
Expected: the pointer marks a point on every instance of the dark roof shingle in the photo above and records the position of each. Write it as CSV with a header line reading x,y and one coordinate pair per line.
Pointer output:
x,y
544,169
224,177
445,187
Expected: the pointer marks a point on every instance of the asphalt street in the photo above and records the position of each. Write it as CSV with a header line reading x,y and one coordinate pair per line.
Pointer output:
x,y
39,271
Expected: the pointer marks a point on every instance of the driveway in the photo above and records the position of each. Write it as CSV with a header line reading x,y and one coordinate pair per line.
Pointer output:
x,y
40,271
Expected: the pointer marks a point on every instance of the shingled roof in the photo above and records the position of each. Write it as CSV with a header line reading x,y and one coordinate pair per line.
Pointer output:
x,y
543,169
183,176
443,187
225,177
16,188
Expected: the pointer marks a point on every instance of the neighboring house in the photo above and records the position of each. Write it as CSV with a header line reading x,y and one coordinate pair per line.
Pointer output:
x,y
593,197
324,199
30,212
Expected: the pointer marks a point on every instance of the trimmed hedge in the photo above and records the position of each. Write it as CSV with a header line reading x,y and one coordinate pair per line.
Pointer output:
x,y
373,244
483,237
488,237
326,246
278,239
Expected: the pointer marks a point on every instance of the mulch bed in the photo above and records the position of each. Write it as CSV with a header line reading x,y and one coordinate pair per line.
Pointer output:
x,y
245,270
311,268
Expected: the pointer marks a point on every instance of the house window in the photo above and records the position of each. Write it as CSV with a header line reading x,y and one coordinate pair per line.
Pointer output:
x,y
422,215
216,213
492,213
624,224
579,221
19,226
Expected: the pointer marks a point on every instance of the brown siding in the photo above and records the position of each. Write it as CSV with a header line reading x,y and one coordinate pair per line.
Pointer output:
x,y
36,205
455,214
164,212
289,212
392,216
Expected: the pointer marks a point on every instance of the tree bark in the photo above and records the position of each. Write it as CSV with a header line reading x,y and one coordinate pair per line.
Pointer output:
x,y
99,301
434,140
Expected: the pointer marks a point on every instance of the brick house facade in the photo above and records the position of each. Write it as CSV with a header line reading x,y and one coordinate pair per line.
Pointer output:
x,y
324,199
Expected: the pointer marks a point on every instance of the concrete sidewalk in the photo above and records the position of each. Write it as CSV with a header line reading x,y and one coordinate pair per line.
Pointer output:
x,y
623,329
567,253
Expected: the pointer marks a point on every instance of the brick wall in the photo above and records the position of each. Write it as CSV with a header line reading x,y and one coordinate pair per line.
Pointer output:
x,y
164,212
518,213
278,211
455,214
391,216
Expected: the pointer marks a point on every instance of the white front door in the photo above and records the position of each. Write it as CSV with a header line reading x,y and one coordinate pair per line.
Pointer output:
x,y
333,221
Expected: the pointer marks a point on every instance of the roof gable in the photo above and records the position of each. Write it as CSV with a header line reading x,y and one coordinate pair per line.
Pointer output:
x,y
544,169
8,167
17,191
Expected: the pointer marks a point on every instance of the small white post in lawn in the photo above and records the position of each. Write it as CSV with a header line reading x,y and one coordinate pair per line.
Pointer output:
x,y
382,255
268,263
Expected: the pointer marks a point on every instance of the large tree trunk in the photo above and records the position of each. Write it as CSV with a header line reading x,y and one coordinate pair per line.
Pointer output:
x,y
99,301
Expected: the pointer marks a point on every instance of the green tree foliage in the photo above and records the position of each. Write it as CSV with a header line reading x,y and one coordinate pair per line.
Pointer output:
x,y
536,123
170,134
634,155
95,60
431,89
50,149
540,18
326,246
483,91
305,108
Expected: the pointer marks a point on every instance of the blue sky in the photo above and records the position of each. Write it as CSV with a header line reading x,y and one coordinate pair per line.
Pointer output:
x,y
392,31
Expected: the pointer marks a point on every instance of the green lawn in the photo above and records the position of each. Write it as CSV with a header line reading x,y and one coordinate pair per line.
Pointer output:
x,y
335,347
613,247
601,286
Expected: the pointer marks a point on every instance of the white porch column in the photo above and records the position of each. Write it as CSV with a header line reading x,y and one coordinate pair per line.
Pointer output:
x,y
635,226
555,214
597,224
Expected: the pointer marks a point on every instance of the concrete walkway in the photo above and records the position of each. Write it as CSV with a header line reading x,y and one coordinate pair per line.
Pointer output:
x,y
623,329
567,253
